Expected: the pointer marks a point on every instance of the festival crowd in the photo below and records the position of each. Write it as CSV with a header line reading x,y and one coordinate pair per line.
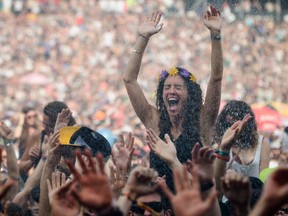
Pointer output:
x,y
114,108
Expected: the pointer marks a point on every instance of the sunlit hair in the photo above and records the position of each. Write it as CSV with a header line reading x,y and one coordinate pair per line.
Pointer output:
x,y
237,110
191,113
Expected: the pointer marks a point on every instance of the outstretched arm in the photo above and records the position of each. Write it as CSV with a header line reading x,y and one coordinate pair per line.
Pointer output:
x,y
147,113
213,21
265,154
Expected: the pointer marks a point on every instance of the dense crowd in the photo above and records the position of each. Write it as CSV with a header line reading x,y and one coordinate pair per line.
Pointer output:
x,y
160,150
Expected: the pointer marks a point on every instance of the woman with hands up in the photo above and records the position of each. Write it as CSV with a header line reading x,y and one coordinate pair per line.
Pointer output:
x,y
179,112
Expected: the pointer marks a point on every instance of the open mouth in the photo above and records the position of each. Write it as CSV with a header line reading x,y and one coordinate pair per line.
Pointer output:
x,y
172,102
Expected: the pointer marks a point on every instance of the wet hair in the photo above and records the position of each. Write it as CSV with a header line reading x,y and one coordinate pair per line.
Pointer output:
x,y
27,109
15,210
53,108
237,110
191,113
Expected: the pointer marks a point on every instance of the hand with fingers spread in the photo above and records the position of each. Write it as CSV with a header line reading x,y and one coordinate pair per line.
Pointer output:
x,y
63,119
5,132
94,187
188,201
151,26
122,152
233,133
204,159
54,144
60,197
165,150
141,181
236,188
5,187
54,152
213,19
118,178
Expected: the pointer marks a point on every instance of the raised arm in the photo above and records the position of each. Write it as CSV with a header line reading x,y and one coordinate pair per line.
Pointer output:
x,y
265,154
146,112
34,180
213,21
13,172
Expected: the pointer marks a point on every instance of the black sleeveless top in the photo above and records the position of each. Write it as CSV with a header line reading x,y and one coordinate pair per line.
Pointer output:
x,y
183,147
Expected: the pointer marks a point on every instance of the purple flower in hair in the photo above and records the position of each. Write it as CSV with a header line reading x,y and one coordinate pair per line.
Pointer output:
x,y
184,73
163,74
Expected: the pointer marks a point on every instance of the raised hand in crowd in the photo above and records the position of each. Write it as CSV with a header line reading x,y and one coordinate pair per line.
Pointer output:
x,y
12,166
60,196
6,133
165,150
204,159
236,187
223,154
5,187
34,153
212,19
118,178
52,158
63,119
151,26
187,193
274,195
141,181
54,146
122,151
93,185
233,133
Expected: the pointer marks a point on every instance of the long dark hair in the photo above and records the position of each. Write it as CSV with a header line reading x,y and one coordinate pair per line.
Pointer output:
x,y
53,108
191,113
237,110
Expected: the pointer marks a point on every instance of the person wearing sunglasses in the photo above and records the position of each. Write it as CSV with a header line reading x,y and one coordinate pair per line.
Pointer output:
x,y
150,204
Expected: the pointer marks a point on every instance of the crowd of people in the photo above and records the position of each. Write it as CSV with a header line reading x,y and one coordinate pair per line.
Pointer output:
x,y
164,149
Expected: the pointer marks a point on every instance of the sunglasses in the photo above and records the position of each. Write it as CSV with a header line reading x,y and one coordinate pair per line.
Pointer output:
x,y
154,207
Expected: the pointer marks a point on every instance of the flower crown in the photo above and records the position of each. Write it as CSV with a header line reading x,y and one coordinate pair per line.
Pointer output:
x,y
177,71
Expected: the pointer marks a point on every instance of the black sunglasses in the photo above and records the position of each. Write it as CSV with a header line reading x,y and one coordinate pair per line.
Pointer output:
x,y
156,206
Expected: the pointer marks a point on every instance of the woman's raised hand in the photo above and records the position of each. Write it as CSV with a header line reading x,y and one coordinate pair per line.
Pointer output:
x,y
151,26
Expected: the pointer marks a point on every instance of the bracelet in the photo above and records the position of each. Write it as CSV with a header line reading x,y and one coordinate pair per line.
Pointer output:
x,y
147,38
222,153
8,142
216,37
227,159
137,52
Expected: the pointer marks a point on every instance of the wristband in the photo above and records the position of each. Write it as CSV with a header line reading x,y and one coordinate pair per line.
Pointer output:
x,y
137,52
227,159
8,142
222,153
216,37
147,38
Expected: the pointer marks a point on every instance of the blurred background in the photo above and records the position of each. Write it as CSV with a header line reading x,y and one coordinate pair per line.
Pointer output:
x,y
76,51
